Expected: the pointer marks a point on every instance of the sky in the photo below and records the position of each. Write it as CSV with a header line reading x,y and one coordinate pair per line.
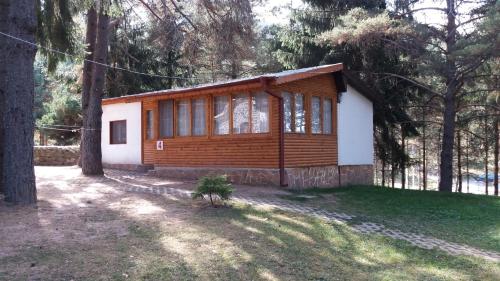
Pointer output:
x,y
276,11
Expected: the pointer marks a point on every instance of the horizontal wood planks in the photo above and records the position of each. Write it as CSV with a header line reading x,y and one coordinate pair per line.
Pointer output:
x,y
305,150
247,150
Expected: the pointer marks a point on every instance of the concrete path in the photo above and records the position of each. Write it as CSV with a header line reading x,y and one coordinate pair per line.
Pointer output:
x,y
138,182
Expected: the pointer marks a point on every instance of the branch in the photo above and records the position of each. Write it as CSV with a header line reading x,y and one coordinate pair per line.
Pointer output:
x,y
422,9
151,10
413,82
183,15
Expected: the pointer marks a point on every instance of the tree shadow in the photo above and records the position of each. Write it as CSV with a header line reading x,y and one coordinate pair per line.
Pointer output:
x,y
90,228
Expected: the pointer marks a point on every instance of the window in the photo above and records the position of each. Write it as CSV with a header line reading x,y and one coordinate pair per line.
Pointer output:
x,y
294,113
118,132
149,125
183,118
316,115
241,114
260,113
166,118
221,115
300,114
287,104
198,109
327,116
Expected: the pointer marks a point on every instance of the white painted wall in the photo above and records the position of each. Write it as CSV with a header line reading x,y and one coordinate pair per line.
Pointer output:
x,y
355,128
129,153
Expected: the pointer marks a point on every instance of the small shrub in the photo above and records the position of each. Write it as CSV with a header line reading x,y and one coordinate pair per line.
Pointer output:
x,y
213,186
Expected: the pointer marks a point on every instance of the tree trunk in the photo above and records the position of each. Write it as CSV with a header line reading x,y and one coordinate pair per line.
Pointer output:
x,y
90,39
403,161
393,173
452,86
4,14
91,137
486,155
18,173
495,182
459,162
424,151
467,161
383,173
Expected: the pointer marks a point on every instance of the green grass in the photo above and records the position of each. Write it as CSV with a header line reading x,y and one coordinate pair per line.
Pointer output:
x,y
183,240
242,243
462,218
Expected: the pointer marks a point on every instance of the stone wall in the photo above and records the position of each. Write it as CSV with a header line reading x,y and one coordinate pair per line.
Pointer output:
x,y
356,175
298,178
56,155
247,176
322,176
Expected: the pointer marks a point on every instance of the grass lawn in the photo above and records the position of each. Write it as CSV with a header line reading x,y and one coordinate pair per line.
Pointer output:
x,y
86,228
242,243
464,218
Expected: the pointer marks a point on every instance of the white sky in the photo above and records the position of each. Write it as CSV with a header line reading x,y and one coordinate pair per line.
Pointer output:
x,y
277,12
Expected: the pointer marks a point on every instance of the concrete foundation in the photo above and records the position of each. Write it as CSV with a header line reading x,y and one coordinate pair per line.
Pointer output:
x,y
298,178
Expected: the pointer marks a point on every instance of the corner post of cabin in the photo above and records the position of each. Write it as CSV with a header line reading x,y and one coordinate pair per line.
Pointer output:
x,y
265,87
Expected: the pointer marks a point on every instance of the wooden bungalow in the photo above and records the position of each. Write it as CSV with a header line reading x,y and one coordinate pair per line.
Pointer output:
x,y
299,128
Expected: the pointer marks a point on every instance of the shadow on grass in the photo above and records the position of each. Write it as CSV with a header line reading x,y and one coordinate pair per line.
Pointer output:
x,y
148,237
463,218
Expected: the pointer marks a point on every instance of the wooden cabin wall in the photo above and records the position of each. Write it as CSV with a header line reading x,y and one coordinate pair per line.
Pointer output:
x,y
244,150
248,150
306,150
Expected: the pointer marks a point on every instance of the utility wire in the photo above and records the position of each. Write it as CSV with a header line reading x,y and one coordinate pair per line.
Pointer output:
x,y
110,66
95,62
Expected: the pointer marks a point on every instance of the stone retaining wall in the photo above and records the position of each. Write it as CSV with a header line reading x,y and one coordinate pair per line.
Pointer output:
x,y
356,174
298,178
56,155
249,176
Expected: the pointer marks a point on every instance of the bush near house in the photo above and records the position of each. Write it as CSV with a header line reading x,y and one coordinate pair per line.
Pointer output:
x,y
214,187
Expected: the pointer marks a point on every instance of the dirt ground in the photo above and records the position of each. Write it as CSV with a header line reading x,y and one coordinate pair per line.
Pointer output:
x,y
90,228
76,212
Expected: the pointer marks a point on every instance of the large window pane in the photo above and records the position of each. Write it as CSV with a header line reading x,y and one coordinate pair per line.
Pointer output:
x,y
300,114
183,118
316,115
166,118
221,115
260,113
118,132
287,108
327,116
198,117
149,125
241,114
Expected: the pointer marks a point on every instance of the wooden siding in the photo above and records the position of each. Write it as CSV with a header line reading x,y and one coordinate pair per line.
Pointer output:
x,y
305,150
247,150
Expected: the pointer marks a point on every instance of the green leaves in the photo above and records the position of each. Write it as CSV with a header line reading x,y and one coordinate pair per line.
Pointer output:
x,y
213,186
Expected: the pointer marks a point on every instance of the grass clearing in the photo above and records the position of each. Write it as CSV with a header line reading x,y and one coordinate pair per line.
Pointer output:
x,y
138,236
242,243
463,218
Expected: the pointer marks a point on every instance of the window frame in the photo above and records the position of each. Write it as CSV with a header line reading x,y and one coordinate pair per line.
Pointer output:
x,y
320,114
111,139
322,99
150,129
230,96
307,116
174,111
323,116
175,102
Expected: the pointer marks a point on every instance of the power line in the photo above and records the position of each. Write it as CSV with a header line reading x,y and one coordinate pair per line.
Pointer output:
x,y
95,62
